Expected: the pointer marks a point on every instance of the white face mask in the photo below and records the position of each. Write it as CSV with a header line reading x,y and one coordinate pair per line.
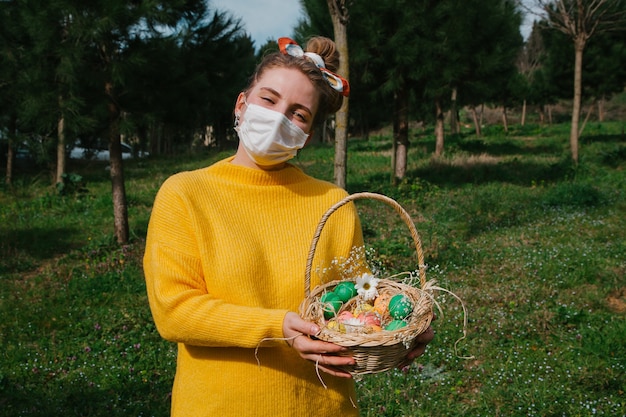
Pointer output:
x,y
268,136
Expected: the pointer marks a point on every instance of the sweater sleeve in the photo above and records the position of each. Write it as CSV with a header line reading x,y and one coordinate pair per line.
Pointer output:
x,y
182,307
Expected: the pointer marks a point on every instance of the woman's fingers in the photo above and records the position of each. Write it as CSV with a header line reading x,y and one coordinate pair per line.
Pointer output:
x,y
420,343
326,356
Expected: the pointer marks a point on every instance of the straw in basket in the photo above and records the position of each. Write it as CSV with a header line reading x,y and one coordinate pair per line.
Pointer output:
x,y
382,350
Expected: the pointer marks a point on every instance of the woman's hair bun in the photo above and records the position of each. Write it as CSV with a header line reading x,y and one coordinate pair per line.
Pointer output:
x,y
326,49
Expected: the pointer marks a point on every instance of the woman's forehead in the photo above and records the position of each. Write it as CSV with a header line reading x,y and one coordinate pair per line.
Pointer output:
x,y
288,83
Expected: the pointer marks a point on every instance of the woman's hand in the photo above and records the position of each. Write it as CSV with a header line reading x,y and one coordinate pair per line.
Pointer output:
x,y
419,347
324,354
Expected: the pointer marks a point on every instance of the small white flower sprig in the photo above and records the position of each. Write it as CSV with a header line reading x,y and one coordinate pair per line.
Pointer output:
x,y
359,259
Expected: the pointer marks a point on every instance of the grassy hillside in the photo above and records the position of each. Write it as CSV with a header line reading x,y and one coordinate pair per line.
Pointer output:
x,y
535,248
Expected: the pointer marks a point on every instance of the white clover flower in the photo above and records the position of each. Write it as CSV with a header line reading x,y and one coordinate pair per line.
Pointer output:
x,y
366,286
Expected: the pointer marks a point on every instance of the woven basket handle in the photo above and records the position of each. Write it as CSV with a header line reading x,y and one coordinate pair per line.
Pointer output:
x,y
397,207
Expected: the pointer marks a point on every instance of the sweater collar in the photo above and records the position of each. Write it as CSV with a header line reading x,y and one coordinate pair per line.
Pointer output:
x,y
290,174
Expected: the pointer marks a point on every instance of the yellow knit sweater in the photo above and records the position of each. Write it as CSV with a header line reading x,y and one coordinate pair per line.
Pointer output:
x,y
225,261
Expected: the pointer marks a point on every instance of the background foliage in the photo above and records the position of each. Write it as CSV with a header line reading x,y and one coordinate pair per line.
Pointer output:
x,y
534,247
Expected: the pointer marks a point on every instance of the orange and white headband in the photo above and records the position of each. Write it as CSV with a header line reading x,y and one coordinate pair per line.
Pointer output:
x,y
289,47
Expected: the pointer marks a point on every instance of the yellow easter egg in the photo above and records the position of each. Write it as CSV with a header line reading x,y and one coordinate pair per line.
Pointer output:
x,y
336,326
362,308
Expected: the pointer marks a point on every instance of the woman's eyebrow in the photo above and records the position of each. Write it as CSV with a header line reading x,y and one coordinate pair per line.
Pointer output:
x,y
277,94
271,90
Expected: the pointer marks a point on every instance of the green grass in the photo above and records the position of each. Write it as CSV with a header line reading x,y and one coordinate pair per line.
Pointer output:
x,y
535,248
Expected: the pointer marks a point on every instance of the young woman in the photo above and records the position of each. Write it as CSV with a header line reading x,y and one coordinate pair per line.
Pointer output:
x,y
226,253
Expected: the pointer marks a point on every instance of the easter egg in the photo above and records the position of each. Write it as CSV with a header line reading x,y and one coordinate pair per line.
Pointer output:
x,y
400,306
375,329
336,326
345,290
344,315
328,296
381,304
395,325
370,319
362,308
332,304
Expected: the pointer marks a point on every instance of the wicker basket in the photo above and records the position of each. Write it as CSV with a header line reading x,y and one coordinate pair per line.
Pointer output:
x,y
381,350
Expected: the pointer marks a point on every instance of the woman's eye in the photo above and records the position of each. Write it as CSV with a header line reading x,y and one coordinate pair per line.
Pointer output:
x,y
267,100
300,116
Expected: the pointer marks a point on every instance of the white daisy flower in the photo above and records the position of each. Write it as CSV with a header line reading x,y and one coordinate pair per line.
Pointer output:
x,y
366,286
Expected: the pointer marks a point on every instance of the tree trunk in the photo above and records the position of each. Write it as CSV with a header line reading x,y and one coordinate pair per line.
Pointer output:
x,y
582,127
454,113
438,129
401,133
601,109
60,150
120,209
482,114
476,122
394,156
550,115
339,16
8,180
579,45
505,119
523,122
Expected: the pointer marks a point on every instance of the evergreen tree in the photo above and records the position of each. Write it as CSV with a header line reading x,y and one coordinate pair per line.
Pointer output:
x,y
581,20
432,49
51,100
483,50
191,82
604,69
12,44
113,33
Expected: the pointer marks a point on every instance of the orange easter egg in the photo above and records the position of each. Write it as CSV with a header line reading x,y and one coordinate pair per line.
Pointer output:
x,y
381,304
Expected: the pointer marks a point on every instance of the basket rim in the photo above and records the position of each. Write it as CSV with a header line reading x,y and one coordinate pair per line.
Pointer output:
x,y
405,216
421,296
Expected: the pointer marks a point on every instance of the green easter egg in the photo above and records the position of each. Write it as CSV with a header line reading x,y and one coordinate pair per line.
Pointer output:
x,y
328,296
345,290
332,304
400,306
395,325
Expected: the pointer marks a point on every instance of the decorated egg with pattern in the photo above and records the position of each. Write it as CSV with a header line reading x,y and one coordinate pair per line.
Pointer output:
x,y
370,319
400,306
381,304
